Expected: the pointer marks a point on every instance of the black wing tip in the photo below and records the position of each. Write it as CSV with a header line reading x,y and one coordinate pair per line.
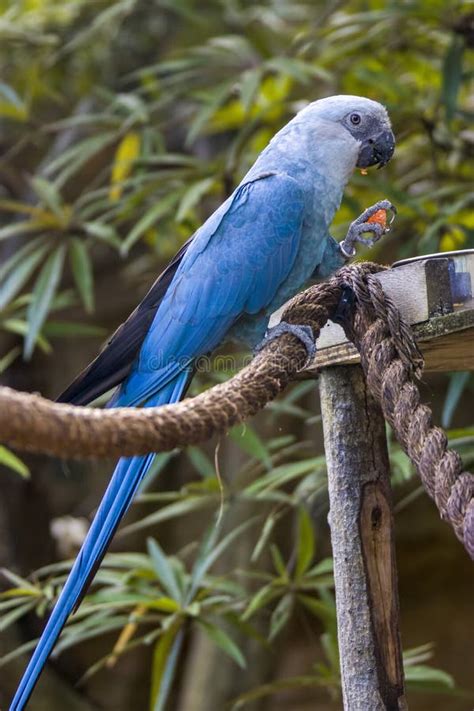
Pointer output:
x,y
81,391
92,384
71,397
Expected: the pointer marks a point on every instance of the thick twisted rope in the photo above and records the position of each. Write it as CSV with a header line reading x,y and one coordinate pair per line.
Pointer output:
x,y
32,423
391,361
389,357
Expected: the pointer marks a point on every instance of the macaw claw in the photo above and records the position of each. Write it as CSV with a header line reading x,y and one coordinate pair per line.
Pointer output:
x,y
303,333
373,220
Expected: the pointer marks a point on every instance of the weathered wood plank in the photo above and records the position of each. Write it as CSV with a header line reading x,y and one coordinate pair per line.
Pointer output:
x,y
442,351
361,523
452,352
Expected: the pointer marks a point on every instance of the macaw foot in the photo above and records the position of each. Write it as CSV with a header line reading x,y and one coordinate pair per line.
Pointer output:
x,y
304,333
367,222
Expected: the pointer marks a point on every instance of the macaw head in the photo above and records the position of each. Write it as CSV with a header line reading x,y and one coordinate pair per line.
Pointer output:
x,y
365,120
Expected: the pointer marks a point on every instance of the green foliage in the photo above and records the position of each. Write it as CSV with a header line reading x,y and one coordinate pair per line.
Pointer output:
x,y
124,124
458,384
10,460
157,598
228,84
155,594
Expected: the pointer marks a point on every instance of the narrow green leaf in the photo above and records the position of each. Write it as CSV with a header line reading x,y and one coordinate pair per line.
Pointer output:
x,y
18,652
17,113
117,623
101,231
16,597
303,72
201,462
103,20
164,570
8,93
72,328
278,562
10,460
20,327
72,159
206,112
247,439
460,435
224,641
280,616
20,228
79,120
331,650
18,593
265,534
159,463
165,660
20,255
249,84
283,474
305,543
155,213
107,600
9,358
457,385
43,293
276,687
18,581
82,272
429,677
262,597
19,268
70,640
322,610
210,551
179,508
63,300
416,655
14,615
324,567
452,75
49,194
192,196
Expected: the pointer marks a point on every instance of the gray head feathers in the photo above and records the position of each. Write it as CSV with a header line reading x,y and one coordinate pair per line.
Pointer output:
x,y
336,108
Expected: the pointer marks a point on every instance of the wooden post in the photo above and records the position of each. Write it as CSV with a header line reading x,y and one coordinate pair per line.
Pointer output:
x,y
361,521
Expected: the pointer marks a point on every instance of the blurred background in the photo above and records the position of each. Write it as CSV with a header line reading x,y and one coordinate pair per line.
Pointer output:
x,y
122,126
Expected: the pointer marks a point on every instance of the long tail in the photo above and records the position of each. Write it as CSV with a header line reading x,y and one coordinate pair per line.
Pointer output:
x,y
123,485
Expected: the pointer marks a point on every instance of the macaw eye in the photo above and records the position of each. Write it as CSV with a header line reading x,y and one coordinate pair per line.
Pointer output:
x,y
355,119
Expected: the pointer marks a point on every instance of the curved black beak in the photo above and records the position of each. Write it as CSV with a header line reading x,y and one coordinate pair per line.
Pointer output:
x,y
377,150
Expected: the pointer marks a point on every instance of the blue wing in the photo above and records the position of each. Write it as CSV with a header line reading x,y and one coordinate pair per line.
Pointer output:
x,y
233,267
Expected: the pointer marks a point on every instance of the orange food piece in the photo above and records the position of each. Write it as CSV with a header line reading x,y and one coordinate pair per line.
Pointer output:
x,y
380,216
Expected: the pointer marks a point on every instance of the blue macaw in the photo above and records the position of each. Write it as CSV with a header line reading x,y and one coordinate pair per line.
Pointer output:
x,y
257,250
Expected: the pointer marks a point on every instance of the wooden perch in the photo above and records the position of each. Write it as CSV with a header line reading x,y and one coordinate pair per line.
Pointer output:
x,y
434,294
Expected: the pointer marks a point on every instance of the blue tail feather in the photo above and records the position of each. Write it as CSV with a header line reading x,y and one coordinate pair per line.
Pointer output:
x,y
122,487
